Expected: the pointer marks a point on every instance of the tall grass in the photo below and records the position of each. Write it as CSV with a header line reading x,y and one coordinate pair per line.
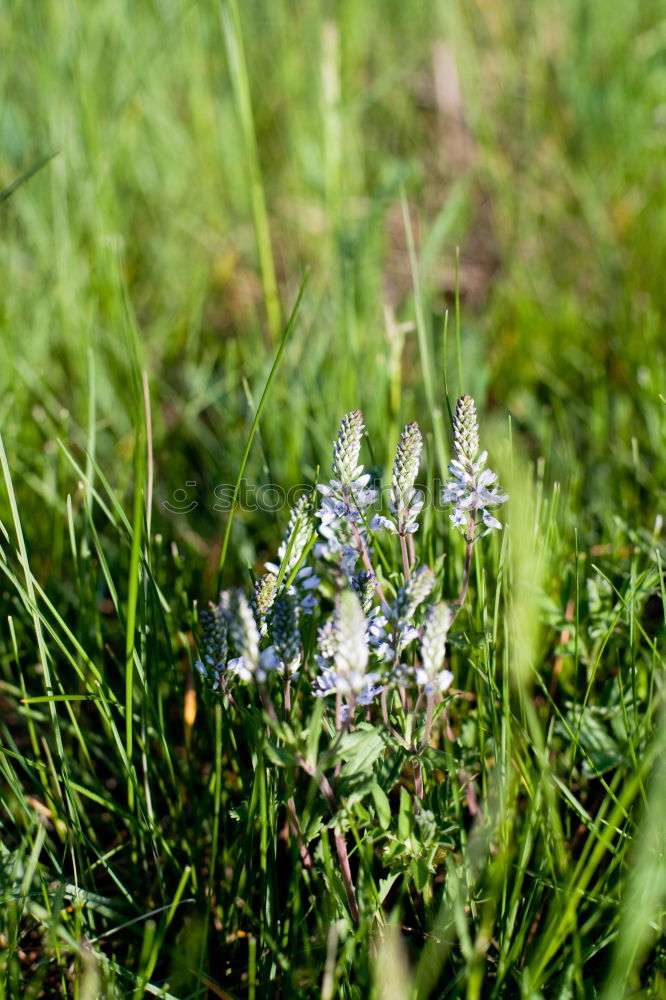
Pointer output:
x,y
205,157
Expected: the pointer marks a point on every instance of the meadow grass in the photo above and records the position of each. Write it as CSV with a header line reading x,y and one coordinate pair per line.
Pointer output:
x,y
171,172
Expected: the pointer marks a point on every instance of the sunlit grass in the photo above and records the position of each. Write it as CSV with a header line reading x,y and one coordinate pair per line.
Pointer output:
x,y
204,159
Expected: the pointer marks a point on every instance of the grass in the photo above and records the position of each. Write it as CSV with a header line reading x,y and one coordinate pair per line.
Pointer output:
x,y
181,168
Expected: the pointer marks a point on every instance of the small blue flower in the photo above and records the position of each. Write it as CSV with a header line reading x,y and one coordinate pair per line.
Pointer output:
x,y
437,684
459,517
379,521
490,521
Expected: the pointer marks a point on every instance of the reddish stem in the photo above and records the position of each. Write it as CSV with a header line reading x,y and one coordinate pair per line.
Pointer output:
x,y
405,556
345,871
387,722
306,857
412,554
340,845
366,562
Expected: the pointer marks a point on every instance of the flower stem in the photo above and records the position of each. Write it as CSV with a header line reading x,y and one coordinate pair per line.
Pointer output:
x,y
267,703
366,561
412,553
340,845
227,693
387,722
405,556
418,772
345,871
306,857
329,795
468,563
428,724
287,690
418,785
291,805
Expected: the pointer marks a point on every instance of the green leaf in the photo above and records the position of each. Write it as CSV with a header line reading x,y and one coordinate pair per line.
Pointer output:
x,y
382,805
420,873
313,732
353,792
405,816
313,827
239,812
281,756
438,759
602,750
385,885
360,750
27,174
427,826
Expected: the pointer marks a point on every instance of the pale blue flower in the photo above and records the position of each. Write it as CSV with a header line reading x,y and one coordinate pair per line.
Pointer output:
x,y
468,491
405,502
437,684
344,653
345,498
431,676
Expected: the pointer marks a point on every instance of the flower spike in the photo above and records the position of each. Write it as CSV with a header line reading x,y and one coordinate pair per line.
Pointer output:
x,y
469,492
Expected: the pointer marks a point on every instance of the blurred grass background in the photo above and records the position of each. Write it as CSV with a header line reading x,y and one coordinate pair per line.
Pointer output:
x,y
206,155
532,138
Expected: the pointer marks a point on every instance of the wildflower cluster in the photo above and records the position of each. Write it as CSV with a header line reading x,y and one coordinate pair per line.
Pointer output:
x,y
328,623
379,636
